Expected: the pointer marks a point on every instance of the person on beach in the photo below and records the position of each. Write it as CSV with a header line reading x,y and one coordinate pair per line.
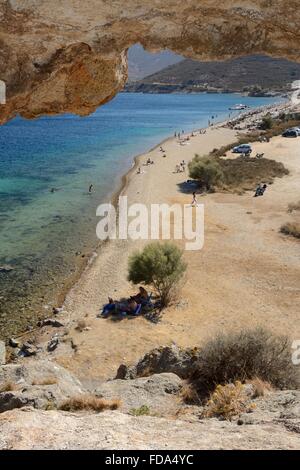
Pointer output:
x,y
108,308
194,201
91,188
263,189
260,190
141,296
139,171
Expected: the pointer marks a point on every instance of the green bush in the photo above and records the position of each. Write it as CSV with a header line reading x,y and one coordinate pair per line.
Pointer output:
x,y
243,356
159,265
267,122
206,170
143,410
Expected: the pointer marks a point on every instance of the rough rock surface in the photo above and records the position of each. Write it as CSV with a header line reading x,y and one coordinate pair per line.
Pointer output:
x,y
41,384
29,418
165,359
71,56
160,393
2,353
37,429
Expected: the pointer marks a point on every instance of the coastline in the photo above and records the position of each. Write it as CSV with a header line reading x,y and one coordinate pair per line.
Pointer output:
x,y
83,265
203,309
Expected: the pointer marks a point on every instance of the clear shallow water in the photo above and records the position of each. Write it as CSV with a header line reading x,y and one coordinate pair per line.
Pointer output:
x,y
41,231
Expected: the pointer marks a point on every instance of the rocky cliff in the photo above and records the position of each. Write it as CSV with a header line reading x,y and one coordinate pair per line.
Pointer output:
x,y
152,412
71,56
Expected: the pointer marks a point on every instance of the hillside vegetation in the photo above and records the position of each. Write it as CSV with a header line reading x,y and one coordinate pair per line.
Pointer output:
x,y
253,74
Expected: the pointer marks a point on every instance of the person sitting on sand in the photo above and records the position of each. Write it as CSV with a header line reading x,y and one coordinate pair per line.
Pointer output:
x,y
141,295
132,308
258,190
263,189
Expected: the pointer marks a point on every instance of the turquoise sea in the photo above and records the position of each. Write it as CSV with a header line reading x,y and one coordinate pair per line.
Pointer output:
x,y
43,232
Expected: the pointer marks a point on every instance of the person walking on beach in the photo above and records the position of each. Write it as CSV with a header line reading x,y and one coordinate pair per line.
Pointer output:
x,y
194,201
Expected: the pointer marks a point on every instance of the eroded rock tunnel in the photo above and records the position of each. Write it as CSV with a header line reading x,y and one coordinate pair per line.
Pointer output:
x,y
71,56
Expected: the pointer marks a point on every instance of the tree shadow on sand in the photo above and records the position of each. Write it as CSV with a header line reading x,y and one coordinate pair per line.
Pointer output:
x,y
189,186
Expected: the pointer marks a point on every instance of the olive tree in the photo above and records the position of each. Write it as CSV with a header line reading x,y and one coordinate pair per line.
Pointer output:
x,y
207,170
159,265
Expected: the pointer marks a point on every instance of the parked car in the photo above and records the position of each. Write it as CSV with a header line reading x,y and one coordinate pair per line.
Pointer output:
x,y
290,133
244,148
297,129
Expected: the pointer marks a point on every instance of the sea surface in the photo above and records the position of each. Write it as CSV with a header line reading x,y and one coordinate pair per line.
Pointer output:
x,y
45,236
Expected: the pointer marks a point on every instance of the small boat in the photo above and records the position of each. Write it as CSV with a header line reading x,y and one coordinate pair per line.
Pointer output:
x,y
238,107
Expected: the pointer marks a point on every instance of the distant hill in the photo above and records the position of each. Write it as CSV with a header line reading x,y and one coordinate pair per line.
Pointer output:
x,y
254,74
142,63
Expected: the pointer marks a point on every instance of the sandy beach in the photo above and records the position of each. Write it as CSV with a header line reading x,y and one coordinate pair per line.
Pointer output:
x,y
247,273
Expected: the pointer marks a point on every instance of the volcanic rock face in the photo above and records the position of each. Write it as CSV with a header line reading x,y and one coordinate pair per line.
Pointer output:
x,y
71,56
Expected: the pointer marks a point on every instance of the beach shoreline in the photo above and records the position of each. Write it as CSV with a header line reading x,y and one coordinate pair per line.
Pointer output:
x,y
209,302
84,264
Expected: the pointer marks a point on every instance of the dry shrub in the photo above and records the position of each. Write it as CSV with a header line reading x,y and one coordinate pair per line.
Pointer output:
x,y
90,403
81,325
228,401
260,387
291,228
246,172
45,381
7,387
189,395
280,127
243,356
237,174
294,207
